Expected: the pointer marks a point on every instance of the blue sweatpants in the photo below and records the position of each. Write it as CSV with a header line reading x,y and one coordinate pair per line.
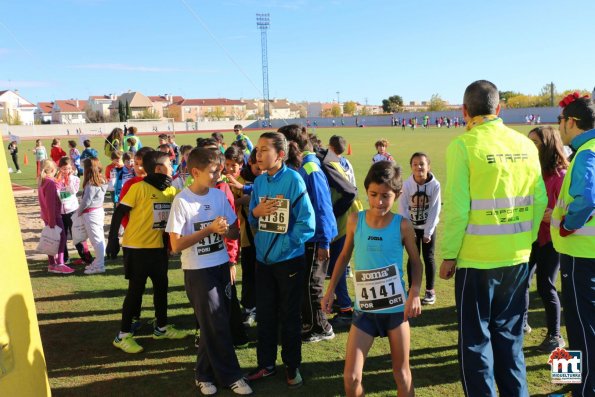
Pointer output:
x,y
578,300
490,306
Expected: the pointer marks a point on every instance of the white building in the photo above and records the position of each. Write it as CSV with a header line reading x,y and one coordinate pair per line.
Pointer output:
x,y
71,111
14,109
43,113
101,104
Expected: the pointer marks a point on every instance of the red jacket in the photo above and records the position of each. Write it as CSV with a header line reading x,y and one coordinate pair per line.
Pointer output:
x,y
232,245
57,153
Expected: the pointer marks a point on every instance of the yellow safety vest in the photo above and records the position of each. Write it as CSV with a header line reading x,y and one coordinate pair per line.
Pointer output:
x,y
581,243
494,199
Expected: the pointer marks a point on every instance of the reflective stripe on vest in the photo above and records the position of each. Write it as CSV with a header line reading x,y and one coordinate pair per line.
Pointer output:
x,y
507,202
512,228
583,231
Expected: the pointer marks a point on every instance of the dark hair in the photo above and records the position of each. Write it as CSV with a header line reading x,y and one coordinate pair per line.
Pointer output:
x,y
164,146
278,141
584,110
338,143
418,154
551,150
140,153
481,97
116,154
64,161
237,127
131,141
200,158
152,159
386,172
55,141
162,137
127,156
87,143
132,130
234,153
203,142
72,144
294,132
294,155
185,148
240,144
217,136
116,133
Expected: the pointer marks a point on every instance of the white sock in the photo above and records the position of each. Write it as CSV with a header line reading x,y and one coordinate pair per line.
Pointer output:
x,y
123,335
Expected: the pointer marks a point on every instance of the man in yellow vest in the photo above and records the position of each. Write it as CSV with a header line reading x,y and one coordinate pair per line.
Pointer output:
x,y
494,202
573,234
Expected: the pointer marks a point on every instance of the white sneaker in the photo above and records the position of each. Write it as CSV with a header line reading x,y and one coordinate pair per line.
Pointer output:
x,y
19,172
241,387
206,388
95,270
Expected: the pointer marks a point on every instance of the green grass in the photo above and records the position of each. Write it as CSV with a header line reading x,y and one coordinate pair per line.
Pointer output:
x,y
79,316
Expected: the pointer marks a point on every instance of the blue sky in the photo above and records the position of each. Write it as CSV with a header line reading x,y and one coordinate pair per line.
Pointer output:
x,y
370,49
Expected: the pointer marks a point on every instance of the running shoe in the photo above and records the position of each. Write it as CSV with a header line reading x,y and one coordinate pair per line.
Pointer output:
x,y
169,333
550,343
206,388
429,298
241,387
318,337
127,344
60,269
294,378
260,373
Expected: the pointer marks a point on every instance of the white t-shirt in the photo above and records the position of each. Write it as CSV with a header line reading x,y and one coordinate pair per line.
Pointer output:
x,y
191,212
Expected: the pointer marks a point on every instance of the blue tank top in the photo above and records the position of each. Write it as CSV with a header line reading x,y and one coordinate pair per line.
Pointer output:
x,y
378,265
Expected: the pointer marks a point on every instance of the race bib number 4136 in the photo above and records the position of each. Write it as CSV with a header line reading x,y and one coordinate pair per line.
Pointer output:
x,y
379,289
278,221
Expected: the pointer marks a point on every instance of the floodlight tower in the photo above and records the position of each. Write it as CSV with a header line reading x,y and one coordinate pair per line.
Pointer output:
x,y
263,22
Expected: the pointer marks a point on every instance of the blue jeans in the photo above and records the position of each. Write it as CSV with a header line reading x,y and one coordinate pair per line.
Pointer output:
x,y
343,299
490,307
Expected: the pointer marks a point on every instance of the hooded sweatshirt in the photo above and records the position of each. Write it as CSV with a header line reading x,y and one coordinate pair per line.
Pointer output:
x,y
421,203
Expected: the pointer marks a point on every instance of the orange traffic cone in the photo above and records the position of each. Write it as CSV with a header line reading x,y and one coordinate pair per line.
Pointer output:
x,y
26,159
349,149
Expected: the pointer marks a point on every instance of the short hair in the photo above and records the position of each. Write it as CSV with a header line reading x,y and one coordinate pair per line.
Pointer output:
x,y
238,127
116,155
131,141
132,130
162,137
386,172
64,161
418,154
200,158
152,159
185,148
127,156
72,144
234,153
338,143
241,144
204,142
87,143
140,153
582,109
217,136
481,97
381,142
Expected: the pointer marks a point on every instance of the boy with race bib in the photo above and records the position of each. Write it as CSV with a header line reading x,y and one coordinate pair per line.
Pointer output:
x,y
382,307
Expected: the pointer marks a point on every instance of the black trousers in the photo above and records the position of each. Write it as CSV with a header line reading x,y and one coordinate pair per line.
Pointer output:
x,y
545,261
248,298
278,300
15,160
427,252
140,264
209,292
313,318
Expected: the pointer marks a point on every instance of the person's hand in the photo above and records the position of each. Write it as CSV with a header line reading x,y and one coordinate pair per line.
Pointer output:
x,y
326,303
113,248
266,207
233,182
547,215
426,240
412,306
218,226
447,269
232,273
322,254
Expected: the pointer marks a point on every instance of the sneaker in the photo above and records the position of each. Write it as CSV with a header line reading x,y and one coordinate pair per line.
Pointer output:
x,y
19,172
127,344
294,378
60,269
77,262
169,333
317,337
250,320
260,373
527,328
206,388
241,387
550,343
136,325
429,298
94,269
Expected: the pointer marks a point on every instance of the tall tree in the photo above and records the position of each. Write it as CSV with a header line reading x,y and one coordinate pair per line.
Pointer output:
x,y
436,103
128,112
121,111
349,107
393,104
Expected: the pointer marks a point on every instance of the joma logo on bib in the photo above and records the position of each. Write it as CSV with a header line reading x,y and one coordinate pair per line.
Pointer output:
x,y
376,274
374,238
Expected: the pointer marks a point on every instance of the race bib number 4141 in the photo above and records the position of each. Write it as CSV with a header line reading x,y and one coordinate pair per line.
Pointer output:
x,y
278,221
379,289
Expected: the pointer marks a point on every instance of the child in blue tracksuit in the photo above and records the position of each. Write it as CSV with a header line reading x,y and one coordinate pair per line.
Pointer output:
x,y
315,326
282,216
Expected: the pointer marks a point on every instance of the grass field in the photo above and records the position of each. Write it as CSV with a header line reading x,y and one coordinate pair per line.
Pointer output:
x,y
79,315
